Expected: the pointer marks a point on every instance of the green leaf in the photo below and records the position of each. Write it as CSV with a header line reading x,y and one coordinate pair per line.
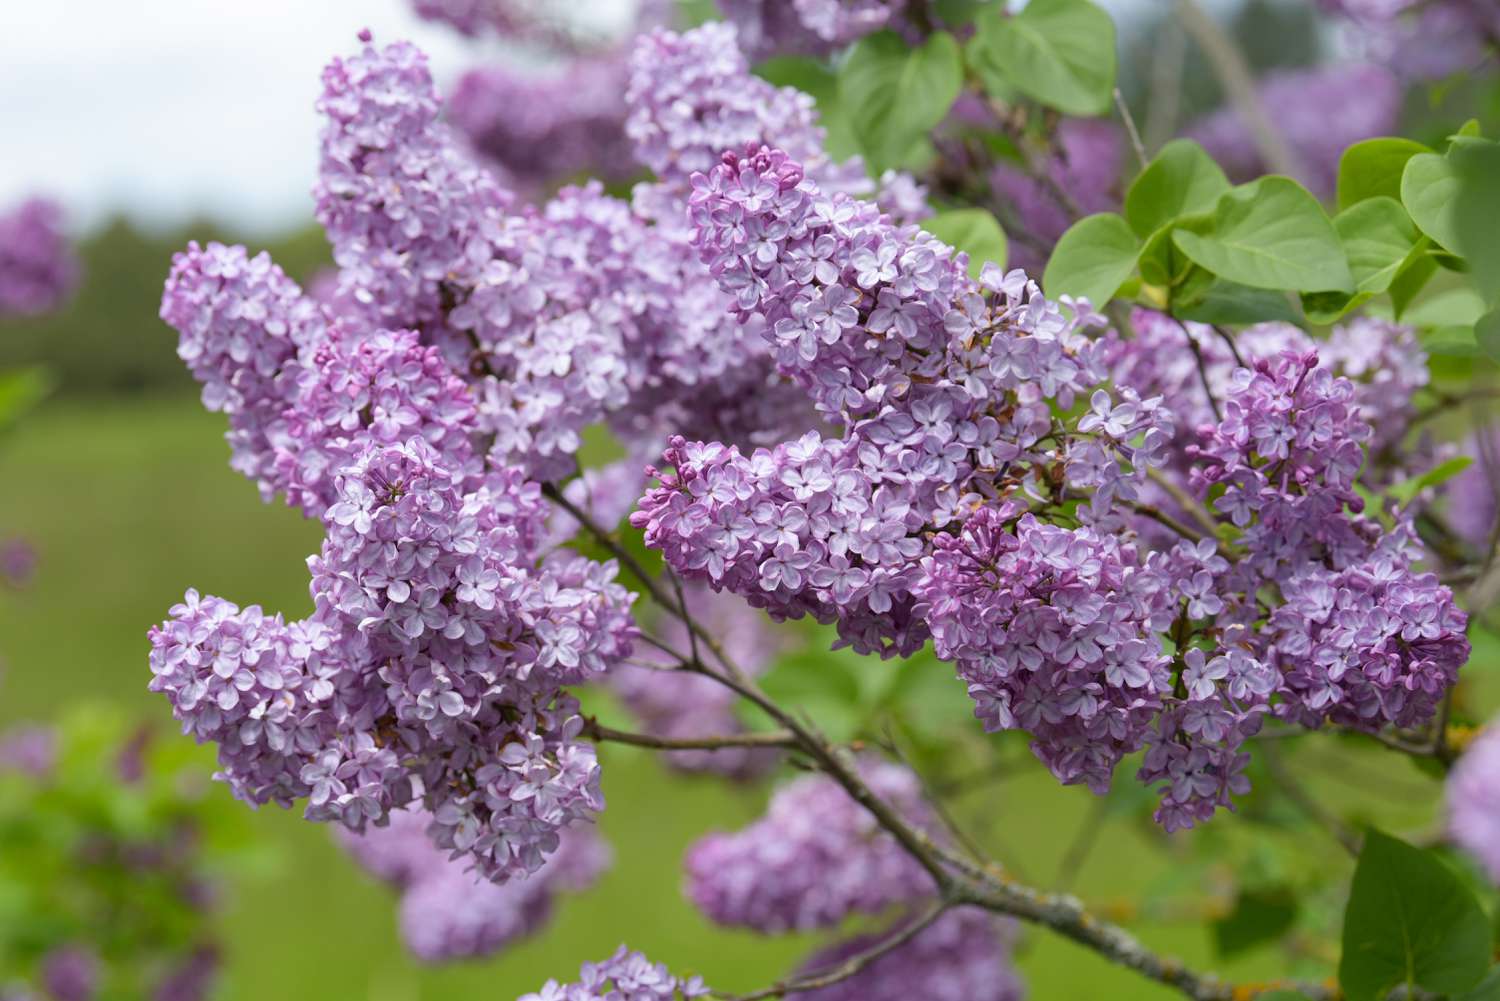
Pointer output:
x,y
1404,491
1460,307
1271,234
1058,52
1093,259
1225,302
1410,921
1476,210
1429,190
1378,237
1258,917
1372,169
893,93
1181,180
975,232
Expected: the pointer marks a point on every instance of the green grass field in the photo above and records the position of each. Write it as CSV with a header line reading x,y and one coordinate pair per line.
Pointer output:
x,y
131,501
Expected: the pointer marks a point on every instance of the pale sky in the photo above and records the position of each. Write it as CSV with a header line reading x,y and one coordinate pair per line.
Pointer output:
x,y
174,109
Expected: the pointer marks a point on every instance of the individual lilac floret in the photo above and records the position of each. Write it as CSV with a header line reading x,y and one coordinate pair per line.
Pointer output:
x,y
964,956
1085,166
1369,102
1473,797
38,269
625,976
815,858
677,704
1055,632
244,329
449,913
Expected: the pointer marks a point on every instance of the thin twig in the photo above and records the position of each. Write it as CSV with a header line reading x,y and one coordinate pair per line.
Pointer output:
x,y
1161,517
855,963
1208,389
1130,129
596,731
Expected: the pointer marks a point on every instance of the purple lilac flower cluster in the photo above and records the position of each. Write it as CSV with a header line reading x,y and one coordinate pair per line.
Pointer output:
x,y
625,975
446,912
806,27
942,386
964,956
682,706
814,859
1473,797
1474,494
1369,101
1385,361
527,21
1056,632
38,269
1085,166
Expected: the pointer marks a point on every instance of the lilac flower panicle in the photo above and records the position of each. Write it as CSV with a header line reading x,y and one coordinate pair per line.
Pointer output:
x,y
815,858
38,268
243,330
805,27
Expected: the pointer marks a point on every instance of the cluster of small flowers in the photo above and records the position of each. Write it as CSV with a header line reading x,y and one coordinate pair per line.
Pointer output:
x,y
1055,632
1385,361
1473,797
678,705
431,669
1085,166
1369,101
38,269
943,386
625,976
527,21
806,27
814,859
448,914
964,956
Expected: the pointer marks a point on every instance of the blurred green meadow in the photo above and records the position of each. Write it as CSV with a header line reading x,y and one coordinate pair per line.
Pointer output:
x,y
121,482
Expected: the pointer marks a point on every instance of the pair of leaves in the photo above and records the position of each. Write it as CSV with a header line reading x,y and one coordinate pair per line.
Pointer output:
x,y
1060,53
1181,213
